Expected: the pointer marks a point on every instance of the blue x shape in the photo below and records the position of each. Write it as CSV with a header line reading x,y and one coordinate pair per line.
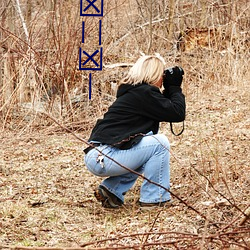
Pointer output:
x,y
91,3
91,58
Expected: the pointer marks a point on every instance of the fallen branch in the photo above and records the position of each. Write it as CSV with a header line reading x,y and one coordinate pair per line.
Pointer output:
x,y
115,65
246,216
130,170
174,237
217,191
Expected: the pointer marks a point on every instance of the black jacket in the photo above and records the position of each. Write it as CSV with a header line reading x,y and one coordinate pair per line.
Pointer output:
x,y
136,111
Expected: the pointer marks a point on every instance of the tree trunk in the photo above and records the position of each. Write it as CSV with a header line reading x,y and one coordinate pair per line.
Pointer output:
x,y
150,9
171,20
203,22
27,91
6,76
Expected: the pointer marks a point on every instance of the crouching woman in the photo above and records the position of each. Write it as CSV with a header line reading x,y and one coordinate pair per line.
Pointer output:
x,y
128,134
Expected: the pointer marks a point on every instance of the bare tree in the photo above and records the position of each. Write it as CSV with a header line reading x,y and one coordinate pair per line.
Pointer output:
x,y
27,88
171,19
150,10
203,13
6,62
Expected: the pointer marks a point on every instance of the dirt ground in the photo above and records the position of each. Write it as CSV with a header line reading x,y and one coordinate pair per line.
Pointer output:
x,y
46,193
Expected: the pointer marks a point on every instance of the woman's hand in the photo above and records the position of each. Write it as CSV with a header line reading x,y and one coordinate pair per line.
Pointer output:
x,y
173,77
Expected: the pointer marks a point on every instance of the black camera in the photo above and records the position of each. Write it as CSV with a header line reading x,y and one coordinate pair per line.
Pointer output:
x,y
173,76
171,70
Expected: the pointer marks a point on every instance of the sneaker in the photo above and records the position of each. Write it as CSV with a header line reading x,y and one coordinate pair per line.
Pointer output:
x,y
151,206
107,199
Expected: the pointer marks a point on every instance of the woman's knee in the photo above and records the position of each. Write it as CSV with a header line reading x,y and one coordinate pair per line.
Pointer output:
x,y
162,140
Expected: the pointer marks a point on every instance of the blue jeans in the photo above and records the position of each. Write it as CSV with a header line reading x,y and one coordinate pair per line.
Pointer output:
x,y
149,157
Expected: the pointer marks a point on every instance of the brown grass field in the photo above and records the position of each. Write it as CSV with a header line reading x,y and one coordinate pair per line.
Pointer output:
x,y
46,192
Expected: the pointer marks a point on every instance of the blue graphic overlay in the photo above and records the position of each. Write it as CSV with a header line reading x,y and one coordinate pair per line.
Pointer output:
x,y
100,32
90,5
91,8
83,26
90,77
90,58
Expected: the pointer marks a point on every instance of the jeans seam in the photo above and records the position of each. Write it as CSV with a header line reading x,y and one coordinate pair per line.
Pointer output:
x,y
158,148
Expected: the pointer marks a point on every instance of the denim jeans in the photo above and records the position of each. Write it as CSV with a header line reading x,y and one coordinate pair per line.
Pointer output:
x,y
149,157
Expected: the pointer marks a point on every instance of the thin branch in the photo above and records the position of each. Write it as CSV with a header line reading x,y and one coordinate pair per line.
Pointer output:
x,y
130,170
150,9
153,224
246,217
216,190
115,65
19,11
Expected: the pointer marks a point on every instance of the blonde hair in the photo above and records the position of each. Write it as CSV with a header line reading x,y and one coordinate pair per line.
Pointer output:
x,y
148,69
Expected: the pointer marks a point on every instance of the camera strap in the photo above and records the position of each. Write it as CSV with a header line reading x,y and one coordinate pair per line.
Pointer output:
x,y
172,130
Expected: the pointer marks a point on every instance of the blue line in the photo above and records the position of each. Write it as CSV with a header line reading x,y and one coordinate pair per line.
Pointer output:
x,y
80,58
83,26
100,32
89,86
101,7
80,7
101,59
82,12
91,4
90,58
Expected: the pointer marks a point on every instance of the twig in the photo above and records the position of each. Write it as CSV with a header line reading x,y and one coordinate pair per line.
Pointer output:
x,y
39,248
246,217
19,11
130,170
115,65
180,237
141,234
223,179
234,205
131,32
156,217
175,237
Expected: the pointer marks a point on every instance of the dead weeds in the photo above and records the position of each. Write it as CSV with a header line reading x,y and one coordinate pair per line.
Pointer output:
x,y
46,193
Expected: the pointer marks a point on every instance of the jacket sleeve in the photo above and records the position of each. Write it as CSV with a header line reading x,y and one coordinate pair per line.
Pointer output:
x,y
169,107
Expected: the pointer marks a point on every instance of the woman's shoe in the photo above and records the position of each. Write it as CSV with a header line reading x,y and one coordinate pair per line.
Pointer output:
x,y
107,199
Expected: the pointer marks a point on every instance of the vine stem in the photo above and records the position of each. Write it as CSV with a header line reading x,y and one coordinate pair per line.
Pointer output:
x,y
130,170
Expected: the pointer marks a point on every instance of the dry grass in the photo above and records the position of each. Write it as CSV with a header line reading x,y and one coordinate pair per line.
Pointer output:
x,y
46,193
47,198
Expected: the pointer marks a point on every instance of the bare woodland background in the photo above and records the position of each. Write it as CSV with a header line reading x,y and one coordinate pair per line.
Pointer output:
x,y
40,41
39,73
